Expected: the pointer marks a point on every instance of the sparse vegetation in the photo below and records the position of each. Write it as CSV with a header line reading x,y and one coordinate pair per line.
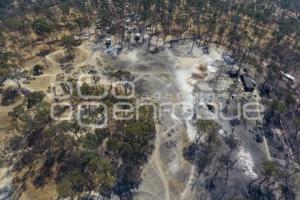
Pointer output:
x,y
84,160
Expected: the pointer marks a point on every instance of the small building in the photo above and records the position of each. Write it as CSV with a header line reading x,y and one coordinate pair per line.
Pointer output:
x,y
108,42
108,30
128,20
234,72
137,37
248,82
130,29
114,50
288,77
153,49
147,37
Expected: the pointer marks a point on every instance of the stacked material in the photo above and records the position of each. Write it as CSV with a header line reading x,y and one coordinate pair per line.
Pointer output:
x,y
201,72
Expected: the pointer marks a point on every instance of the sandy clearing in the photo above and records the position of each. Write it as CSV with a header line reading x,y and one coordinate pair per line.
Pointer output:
x,y
42,82
48,192
246,162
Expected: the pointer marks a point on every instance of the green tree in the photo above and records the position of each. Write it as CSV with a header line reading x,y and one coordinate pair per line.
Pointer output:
x,y
42,27
35,98
69,43
13,24
100,175
37,69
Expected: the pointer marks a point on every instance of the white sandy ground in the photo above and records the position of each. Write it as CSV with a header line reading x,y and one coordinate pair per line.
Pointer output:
x,y
184,66
246,162
183,69
131,56
5,183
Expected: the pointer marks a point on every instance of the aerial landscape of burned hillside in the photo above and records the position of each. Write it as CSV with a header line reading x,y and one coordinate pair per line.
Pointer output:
x,y
149,100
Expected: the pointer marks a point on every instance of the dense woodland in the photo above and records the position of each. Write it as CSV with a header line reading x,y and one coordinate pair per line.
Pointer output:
x,y
263,34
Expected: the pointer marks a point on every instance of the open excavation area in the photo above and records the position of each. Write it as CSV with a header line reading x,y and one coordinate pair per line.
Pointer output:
x,y
149,100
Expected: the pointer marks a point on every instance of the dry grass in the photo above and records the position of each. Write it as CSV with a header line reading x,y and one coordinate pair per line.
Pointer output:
x,y
48,192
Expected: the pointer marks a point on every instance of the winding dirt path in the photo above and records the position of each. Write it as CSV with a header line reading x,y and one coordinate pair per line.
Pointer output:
x,y
157,162
188,187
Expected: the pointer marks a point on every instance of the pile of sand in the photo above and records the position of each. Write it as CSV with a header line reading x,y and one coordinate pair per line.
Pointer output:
x,y
201,72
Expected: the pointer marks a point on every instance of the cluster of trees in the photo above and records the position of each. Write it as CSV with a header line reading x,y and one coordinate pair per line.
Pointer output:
x,y
132,143
5,65
80,160
10,62
246,28
87,90
20,20
275,182
215,161
69,43
202,154
214,158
